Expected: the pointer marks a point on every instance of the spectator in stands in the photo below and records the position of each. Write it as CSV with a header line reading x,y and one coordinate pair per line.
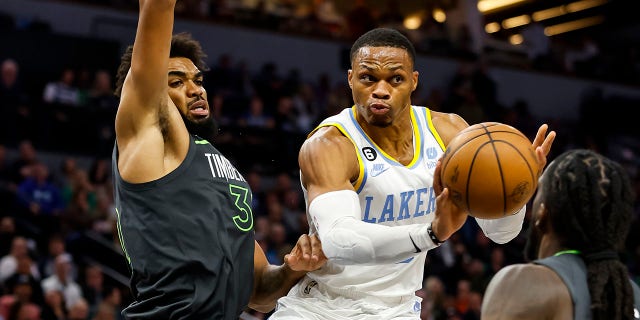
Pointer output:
x,y
7,187
24,311
433,299
104,220
54,307
64,177
109,308
100,94
268,85
55,246
293,214
256,117
9,262
79,310
62,280
100,172
20,168
62,91
258,205
16,118
80,212
23,283
93,286
306,107
60,98
7,233
40,200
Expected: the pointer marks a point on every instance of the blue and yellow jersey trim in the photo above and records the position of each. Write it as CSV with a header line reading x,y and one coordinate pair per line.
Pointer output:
x,y
432,129
340,127
416,124
417,152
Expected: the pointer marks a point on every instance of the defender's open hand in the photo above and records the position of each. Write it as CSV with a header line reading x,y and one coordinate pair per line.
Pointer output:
x,y
307,255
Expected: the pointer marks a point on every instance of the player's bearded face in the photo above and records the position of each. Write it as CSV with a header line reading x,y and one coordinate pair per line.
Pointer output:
x,y
205,127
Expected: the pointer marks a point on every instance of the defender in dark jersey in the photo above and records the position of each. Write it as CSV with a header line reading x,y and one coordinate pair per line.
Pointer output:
x,y
184,214
581,217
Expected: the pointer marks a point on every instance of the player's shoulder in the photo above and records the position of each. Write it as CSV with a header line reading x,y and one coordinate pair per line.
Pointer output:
x,y
526,291
326,135
447,124
527,279
523,271
326,141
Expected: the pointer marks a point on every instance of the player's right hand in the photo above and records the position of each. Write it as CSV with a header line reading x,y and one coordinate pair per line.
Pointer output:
x,y
449,218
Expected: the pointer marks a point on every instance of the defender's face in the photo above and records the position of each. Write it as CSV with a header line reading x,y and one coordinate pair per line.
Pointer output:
x,y
382,80
186,90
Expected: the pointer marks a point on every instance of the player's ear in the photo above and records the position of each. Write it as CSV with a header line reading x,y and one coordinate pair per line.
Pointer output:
x,y
349,75
415,75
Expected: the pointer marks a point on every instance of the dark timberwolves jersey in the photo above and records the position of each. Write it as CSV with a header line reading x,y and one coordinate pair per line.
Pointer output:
x,y
573,272
188,238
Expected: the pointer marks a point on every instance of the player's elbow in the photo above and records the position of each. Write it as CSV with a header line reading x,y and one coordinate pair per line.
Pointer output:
x,y
344,246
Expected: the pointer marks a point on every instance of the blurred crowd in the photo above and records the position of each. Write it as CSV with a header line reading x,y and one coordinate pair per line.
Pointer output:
x,y
460,34
55,174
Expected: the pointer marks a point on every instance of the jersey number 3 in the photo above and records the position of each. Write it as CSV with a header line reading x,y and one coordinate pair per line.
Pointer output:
x,y
244,219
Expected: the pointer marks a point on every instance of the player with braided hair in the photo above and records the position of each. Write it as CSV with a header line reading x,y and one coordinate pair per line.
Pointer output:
x,y
580,218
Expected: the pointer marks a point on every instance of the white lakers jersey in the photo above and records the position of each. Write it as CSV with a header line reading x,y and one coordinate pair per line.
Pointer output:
x,y
390,194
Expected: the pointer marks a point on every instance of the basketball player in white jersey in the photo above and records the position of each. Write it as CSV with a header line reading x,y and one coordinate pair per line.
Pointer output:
x,y
370,177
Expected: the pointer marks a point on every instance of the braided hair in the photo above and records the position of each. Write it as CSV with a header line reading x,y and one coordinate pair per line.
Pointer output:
x,y
589,200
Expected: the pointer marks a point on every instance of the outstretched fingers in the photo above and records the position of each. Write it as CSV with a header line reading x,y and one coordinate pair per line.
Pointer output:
x,y
542,145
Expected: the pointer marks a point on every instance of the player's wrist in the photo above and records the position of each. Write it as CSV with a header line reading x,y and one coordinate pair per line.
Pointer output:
x,y
433,236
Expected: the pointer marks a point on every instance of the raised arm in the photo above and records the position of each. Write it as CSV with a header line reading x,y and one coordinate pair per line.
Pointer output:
x,y
328,163
144,98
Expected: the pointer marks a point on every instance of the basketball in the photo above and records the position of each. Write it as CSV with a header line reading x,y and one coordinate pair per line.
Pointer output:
x,y
491,170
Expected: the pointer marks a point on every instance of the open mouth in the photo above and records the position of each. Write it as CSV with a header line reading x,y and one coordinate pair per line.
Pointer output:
x,y
199,109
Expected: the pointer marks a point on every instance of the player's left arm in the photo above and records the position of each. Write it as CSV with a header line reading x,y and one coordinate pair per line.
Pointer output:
x,y
272,282
505,229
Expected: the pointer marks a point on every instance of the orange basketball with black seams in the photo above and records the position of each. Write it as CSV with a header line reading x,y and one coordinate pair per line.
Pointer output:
x,y
491,170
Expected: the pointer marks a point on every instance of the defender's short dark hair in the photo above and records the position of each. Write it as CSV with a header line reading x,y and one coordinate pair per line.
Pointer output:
x,y
383,37
182,45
